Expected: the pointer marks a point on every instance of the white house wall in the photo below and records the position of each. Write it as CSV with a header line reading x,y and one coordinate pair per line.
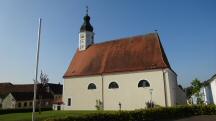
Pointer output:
x,y
8,102
128,94
207,94
213,88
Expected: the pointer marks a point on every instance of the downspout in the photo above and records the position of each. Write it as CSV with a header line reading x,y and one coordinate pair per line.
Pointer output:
x,y
165,92
102,92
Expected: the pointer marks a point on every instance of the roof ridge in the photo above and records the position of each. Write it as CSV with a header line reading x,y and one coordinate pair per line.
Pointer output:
x,y
122,39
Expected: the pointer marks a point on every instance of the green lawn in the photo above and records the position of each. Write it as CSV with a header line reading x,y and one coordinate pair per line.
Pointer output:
x,y
42,116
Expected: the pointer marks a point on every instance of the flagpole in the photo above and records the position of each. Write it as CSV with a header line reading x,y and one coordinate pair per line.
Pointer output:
x,y
36,70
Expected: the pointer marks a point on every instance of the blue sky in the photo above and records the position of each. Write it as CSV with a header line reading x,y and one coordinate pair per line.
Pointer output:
x,y
187,29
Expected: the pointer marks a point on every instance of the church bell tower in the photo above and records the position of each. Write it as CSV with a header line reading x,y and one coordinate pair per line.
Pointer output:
x,y
86,35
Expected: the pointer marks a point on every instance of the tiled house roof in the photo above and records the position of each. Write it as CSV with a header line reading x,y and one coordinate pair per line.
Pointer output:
x,y
128,54
56,88
6,88
22,96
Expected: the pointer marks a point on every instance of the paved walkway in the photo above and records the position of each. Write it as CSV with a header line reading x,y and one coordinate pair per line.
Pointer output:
x,y
198,118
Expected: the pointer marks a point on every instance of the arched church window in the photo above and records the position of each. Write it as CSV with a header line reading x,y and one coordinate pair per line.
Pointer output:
x,y
113,85
91,86
143,83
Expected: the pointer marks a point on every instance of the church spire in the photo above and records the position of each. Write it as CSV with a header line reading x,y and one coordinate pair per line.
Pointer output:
x,y
86,26
86,35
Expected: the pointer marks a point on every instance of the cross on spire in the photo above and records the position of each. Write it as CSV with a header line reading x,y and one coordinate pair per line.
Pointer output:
x,y
86,10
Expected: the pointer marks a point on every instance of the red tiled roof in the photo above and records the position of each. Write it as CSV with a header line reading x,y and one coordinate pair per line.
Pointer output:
x,y
6,88
128,54
20,96
23,88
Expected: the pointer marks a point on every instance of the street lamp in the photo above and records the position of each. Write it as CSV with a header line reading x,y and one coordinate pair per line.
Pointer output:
x,y
120,106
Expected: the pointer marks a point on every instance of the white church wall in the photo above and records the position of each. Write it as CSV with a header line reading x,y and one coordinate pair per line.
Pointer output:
x,y
171,86
81,97
129,95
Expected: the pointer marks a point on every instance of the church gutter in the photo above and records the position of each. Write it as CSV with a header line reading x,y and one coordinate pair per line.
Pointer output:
x,y
165,92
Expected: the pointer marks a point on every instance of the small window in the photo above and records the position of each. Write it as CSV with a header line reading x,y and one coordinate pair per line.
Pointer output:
x,y
30,103
91,86
69,101
19,105
113,85
25,104
143,83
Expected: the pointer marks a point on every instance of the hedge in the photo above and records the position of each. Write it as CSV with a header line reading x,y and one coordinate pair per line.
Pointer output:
x,y
7,111
154,114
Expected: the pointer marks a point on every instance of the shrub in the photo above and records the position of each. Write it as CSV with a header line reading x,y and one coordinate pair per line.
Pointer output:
x,y
152,114
150,104
7,111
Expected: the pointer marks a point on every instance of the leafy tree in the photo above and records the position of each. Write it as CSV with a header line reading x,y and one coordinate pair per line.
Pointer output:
x,y
196,86
42,87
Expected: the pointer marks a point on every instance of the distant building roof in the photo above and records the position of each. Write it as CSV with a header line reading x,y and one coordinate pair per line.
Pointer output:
x,y
211,79
56,88
128,54
6,88
20,96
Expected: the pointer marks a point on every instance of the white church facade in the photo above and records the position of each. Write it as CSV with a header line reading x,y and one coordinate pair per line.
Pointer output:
x,y
123,73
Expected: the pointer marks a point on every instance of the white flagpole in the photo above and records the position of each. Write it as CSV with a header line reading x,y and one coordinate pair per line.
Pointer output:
x,y
36,70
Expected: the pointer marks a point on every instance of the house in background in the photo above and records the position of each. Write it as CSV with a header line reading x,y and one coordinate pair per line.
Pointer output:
x,y
17,100
123,73
56,90
207,92
21,95
5,88
1,98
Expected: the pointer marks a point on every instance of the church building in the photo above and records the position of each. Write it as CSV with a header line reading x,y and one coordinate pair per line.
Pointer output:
x,y
121,74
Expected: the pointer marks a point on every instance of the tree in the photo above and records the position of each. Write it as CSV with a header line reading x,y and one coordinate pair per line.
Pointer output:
x,y
196,86
42,87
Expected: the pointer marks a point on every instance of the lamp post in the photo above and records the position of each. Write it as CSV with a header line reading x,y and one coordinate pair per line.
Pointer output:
x,y
120,106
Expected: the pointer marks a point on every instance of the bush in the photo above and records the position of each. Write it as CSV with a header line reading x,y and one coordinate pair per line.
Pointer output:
x,y
152,114
150,104
7,111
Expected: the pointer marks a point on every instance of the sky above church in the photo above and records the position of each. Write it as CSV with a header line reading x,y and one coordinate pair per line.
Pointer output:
x,y
187,29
